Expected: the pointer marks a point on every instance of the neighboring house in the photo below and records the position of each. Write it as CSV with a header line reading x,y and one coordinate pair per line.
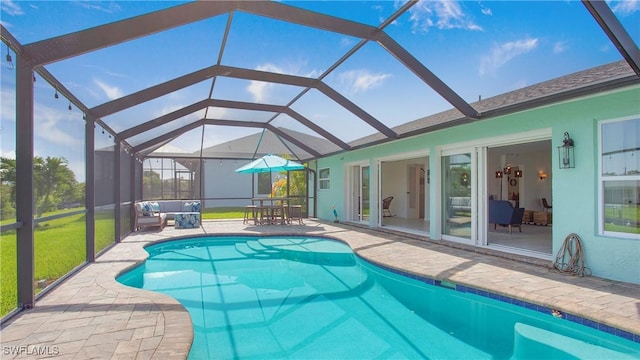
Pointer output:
x,y
598,199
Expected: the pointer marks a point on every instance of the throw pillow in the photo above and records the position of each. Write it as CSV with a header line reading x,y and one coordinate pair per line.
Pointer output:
x,y
192,206
155,207
146,209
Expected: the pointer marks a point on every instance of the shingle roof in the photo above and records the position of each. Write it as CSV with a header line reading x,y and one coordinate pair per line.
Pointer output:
x,y
267,142
576,84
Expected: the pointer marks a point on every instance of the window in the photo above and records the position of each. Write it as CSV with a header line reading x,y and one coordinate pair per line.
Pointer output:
x,y
264,183
620,176
324,181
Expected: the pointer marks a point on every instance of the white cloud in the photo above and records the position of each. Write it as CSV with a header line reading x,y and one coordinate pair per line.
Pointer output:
x,y
356,81
215,113
486,10
346,42
559,47
112,92
47,122
258,89
11,154
443,14
8,101
11,8
112,6
503,53
625,7
97,68
169,108
78,167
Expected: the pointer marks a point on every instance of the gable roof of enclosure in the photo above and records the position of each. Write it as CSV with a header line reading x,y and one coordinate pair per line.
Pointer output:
x,y
269,122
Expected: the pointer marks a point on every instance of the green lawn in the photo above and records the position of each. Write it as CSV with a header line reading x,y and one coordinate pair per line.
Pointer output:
x,y
624,214
223,213
59,247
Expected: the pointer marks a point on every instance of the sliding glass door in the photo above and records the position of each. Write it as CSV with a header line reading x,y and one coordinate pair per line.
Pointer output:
x,y
457,205
360,193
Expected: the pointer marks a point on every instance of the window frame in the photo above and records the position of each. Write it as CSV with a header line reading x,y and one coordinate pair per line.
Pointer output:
x,y
324,180
604,178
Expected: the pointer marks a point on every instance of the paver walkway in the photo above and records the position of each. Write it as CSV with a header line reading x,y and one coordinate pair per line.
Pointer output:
x,y
90,315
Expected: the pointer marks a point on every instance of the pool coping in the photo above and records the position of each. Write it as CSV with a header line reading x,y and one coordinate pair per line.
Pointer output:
x,y
151,325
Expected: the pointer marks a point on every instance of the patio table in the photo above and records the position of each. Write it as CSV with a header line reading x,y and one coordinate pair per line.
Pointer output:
x,y
277,208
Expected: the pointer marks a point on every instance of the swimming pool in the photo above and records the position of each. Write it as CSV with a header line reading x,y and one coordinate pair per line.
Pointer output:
x,y
310,298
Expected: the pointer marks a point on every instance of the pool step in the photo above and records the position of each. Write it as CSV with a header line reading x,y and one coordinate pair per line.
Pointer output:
x,y
310,251
245,250
531,341
299,250
256,246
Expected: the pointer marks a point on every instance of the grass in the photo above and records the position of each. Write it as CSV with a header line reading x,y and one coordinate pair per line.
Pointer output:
x,y
622,214
223,213
59,247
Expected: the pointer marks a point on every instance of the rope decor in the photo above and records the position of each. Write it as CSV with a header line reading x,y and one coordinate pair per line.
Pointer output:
x,y
570,257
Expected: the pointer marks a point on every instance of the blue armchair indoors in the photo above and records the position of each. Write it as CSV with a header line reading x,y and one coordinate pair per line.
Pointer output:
x,y
502,213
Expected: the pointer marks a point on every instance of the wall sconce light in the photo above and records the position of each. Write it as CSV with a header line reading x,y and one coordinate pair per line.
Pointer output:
x,y
499,174
566,154
518,173
542,175
507,170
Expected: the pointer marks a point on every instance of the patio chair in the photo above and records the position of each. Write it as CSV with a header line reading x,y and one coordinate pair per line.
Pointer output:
x,y
146,217
502,213
545,205
295,213
386,202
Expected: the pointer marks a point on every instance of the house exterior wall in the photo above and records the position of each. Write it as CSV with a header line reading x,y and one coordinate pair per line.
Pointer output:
x,y
221,181
575,191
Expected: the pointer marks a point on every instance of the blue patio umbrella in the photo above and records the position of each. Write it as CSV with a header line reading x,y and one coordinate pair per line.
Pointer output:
x,y
269,163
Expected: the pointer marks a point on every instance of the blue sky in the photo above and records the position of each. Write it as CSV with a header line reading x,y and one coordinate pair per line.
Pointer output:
x,y
479,48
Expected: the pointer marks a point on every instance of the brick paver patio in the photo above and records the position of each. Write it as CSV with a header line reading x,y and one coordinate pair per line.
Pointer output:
x,y
90,315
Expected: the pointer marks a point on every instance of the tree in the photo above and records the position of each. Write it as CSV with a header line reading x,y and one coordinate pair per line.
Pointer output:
x,y
151,185
7,187
53,184
296,180
53,181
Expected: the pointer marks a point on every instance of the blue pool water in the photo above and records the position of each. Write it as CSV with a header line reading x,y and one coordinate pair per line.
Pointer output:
x,y
312,298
